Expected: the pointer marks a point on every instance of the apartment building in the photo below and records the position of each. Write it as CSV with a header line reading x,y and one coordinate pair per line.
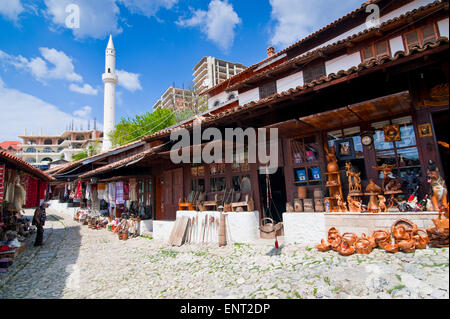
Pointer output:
x,y
41,150
211,71
176,99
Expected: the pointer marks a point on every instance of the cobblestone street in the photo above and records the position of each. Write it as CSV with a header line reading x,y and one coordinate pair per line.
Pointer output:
x,y
76,262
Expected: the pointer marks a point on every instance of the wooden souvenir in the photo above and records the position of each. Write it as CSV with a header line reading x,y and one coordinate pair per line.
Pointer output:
x,y
392,133
324,246
363,246
342,205
438,187
248,204
354,205
382,204
354,180
298,205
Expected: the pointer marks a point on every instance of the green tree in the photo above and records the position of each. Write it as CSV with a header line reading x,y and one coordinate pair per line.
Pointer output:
x,y
132,129
91,150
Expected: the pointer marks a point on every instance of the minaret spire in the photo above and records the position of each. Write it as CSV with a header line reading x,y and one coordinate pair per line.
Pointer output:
x,y
110,80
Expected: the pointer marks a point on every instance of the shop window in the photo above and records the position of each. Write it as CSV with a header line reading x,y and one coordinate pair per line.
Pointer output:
x,y
267,89
242,183
375,50
144,190
313,72
305,159
218,184
397,149
353,152
421,36
238,167
198,185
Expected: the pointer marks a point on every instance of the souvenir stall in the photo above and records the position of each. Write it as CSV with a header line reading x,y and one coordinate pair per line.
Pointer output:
x,y
15,193
375,171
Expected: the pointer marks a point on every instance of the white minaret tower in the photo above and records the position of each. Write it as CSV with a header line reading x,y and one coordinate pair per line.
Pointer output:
x,y
110,80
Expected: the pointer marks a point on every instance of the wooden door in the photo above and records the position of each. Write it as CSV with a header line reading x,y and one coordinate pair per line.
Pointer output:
x,y
172,192
159,207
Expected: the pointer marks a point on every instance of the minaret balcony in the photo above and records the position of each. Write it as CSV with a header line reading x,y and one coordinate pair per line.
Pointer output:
x,y
110,78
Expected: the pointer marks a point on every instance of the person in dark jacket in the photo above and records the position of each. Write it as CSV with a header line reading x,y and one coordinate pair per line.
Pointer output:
x,y
39,221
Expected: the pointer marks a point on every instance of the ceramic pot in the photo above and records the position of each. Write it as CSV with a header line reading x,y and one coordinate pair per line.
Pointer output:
x,y
324,246
363,246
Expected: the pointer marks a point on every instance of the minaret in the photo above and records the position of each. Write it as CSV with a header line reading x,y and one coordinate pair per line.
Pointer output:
x,y
110,80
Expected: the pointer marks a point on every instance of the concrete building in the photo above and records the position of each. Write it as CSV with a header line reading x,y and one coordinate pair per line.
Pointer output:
x,y
110,80
176,99
211,71
41,150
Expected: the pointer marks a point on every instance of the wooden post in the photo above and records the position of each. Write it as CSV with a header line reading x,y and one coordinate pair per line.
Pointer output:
x,y
222,231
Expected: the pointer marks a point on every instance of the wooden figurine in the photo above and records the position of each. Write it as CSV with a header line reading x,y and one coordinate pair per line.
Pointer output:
x,y
354,179
354,206
438,187
341,204
382,203
332,166
390,184
373,190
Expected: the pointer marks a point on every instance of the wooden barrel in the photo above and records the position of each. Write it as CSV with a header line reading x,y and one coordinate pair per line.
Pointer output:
x,y
302,192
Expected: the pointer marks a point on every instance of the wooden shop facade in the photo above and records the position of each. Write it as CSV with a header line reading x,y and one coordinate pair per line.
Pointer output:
x,y
376,96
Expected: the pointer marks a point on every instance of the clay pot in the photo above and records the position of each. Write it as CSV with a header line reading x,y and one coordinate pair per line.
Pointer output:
x,y
345,249
371,240
333,233
336,243
332,167
408,246
324,246
400,233
391,248
421,241
363,246
382,237
351,238
410,227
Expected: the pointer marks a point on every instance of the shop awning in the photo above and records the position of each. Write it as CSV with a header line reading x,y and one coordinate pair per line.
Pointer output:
x,y
371,110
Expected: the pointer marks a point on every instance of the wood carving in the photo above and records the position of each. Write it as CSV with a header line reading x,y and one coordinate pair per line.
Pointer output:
x,y
341,204
332,165
389,184
438,187
354,205
382,203
354,179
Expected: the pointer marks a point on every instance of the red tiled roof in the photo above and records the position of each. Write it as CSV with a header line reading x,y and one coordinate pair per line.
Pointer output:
x,y
331,79
309,56
7,144
24,166
315,34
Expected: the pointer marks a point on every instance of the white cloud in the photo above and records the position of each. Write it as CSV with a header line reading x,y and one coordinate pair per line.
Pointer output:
x,y
21,110
147,7
11,9
295,19
56,66
84,112
97,17
218,23
129,81
85,89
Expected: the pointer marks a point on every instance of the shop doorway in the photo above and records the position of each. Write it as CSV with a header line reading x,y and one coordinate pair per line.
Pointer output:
x,y
159,208
172,193
273,206
440,123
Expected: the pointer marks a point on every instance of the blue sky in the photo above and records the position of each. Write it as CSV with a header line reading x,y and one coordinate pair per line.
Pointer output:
x,y
51,74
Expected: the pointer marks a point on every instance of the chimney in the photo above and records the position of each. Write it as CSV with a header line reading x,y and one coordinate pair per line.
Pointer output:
x,y
270,52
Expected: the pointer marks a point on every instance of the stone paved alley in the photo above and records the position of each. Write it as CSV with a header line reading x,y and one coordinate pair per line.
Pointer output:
x,y
77,262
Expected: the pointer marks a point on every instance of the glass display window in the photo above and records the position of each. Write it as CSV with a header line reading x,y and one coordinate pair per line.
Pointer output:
x,y
218,184
242,183
144,190
403,153
305,158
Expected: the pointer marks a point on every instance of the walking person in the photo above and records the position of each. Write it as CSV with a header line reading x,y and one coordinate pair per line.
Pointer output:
x,y
39,221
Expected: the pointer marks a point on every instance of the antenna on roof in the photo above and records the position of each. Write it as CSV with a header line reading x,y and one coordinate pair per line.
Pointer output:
x,y
95,123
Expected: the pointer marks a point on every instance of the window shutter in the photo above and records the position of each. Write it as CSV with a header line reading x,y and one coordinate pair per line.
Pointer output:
x,y
313,72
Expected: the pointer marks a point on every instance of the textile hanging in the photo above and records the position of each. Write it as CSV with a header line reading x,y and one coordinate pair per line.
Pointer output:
x,y
101,186
119,193
79,192
112,192
2,182
133,191
32,192
94,193
126,191
42,190
88,191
